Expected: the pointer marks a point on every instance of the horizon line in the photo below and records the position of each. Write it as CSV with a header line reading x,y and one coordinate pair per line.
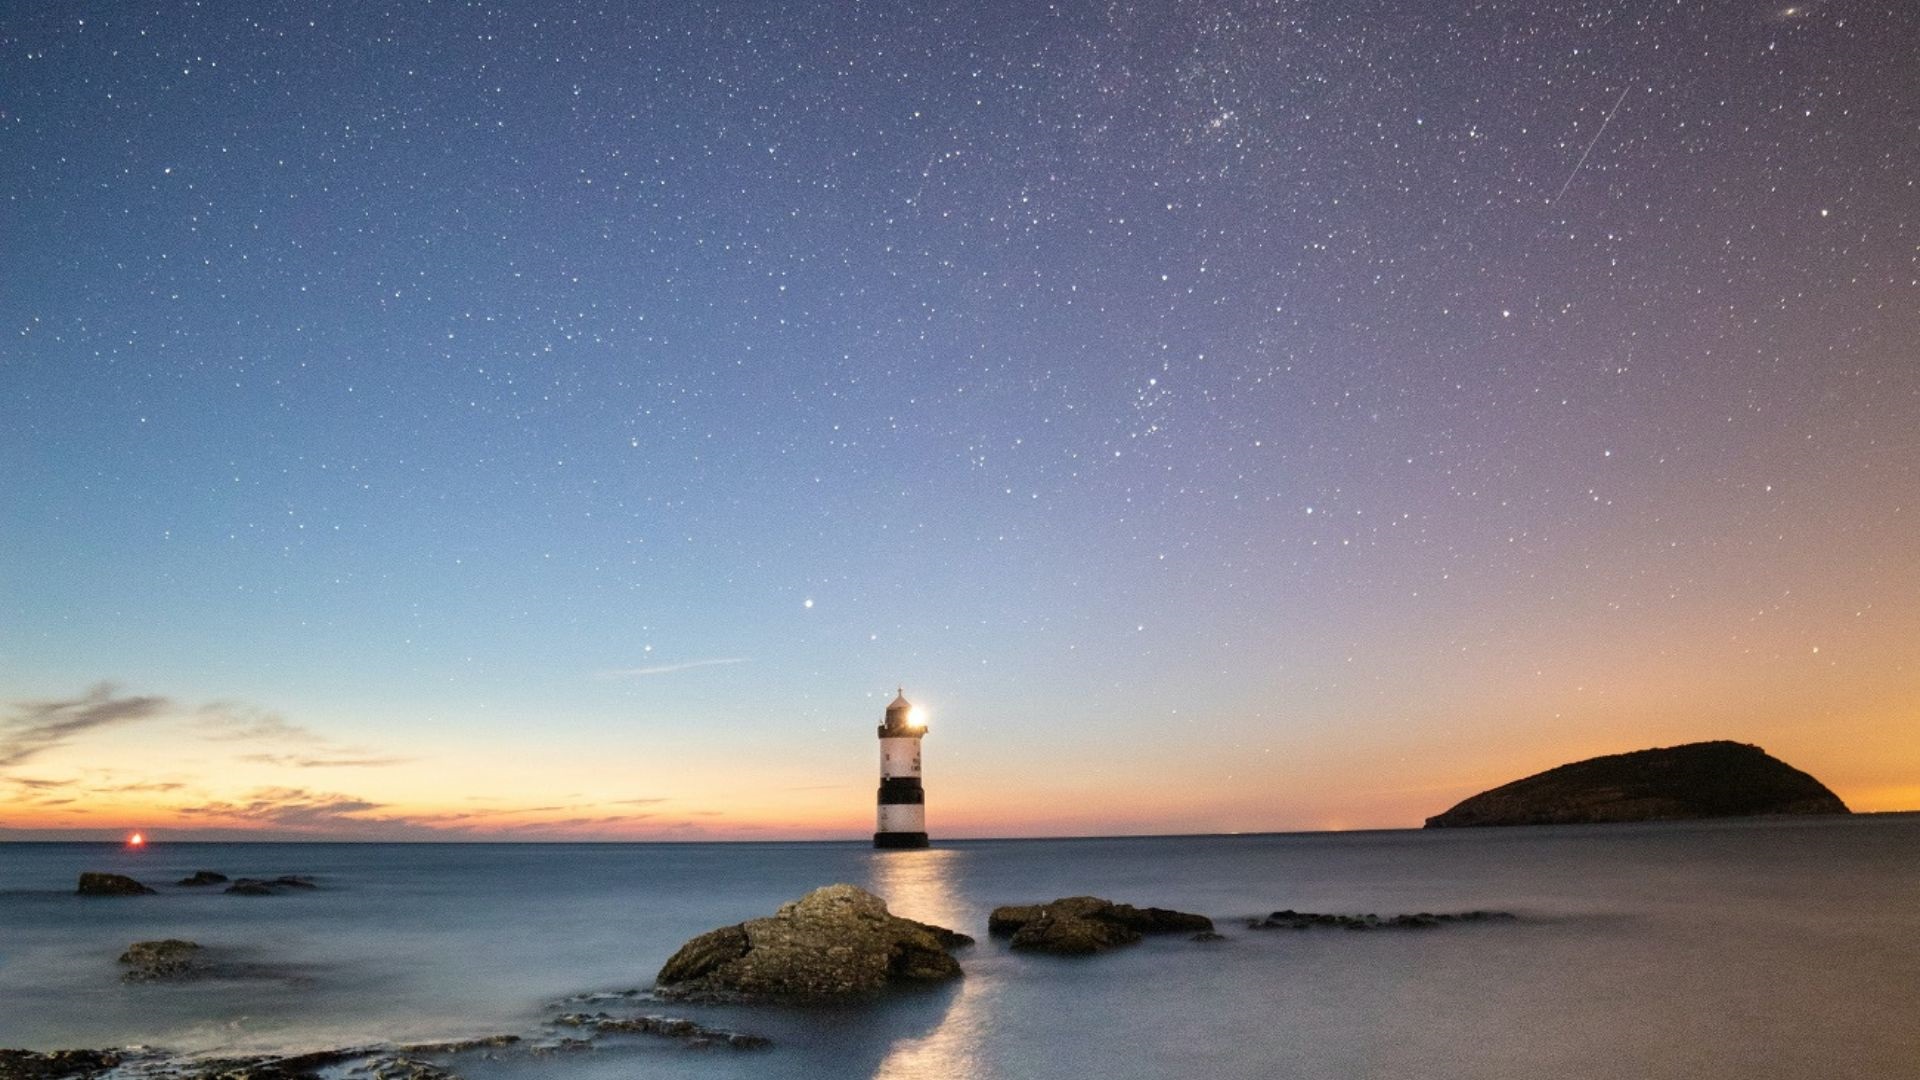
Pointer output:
x,y
151,842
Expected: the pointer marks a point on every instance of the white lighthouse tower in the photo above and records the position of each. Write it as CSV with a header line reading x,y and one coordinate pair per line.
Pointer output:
x,y
903,803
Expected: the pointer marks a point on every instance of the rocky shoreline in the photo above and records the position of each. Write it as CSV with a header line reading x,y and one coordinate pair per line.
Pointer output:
x,y
838,943
566,1032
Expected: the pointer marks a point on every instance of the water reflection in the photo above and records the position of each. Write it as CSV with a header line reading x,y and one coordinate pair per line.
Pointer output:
x,y
925,885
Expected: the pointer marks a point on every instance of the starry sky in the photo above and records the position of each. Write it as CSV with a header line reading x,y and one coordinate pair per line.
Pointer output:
x,y
557,419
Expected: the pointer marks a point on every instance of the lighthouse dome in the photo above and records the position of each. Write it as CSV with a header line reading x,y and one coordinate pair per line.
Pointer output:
x,y
900,705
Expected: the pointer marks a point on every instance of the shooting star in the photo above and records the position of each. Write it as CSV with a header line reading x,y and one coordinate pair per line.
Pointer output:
x,y
1590,143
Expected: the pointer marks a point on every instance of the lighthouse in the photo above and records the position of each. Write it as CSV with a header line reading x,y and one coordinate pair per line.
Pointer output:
x,y
903,804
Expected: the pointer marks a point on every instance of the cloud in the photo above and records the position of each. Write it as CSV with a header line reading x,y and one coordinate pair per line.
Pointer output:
x,y
294,808
227,721
668,669
37,784
571,824
325,760
36,727
152,785
231,721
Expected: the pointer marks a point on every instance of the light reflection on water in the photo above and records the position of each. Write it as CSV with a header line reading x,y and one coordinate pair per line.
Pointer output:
x,y
924,885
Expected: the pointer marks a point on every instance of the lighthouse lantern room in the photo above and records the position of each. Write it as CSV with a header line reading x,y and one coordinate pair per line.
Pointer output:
x,y
903,803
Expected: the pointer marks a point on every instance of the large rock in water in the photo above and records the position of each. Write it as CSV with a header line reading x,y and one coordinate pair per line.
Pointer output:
x,y
835,942
1698,780
1076,925
98,884
151,961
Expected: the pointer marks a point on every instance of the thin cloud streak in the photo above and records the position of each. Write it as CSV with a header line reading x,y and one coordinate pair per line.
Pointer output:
x,y
668,669
316,761
228,721
36,784
39,726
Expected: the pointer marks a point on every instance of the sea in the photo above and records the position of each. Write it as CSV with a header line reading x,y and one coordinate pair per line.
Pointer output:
x,y
1744,950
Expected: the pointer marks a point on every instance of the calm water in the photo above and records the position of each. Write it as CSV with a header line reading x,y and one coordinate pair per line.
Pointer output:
x,y
1744,950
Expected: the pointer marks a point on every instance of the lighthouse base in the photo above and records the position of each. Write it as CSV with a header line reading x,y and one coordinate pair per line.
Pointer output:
x,y
899,839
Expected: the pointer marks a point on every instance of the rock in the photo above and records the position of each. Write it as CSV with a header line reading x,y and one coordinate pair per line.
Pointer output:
x,y
405,1068
1207,935
670,1027
93,884
271,886
835,942
1070,934
1308,920
948,939
1076,925
298,1067
155,960
1698,780
460,1046
1011,917
203,877
56,1064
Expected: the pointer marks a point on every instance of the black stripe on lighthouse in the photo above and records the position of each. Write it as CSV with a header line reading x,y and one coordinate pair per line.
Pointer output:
x,y
901,790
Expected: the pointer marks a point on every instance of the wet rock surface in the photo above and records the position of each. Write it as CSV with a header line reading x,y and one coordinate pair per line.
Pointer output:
x,y
1310,920
270,886
405,1068
1078,925
836,942
413,1062
202,877
385,1061
461,1046
671,1027
53,1065
97,884
152,961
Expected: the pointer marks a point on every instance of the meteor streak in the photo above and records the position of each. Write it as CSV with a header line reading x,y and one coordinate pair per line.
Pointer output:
x,y
1596,138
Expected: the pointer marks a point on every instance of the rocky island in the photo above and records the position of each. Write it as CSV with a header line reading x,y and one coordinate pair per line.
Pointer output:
x,y
1674,783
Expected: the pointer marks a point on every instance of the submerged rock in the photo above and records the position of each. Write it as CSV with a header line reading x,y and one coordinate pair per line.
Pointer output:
x,y
271,1067
405,1068
1698,780
670,1027
1309,920
834,942
461,1046
368,1062
1076,925
151,961
56,1064
96,884
270,886
203,877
